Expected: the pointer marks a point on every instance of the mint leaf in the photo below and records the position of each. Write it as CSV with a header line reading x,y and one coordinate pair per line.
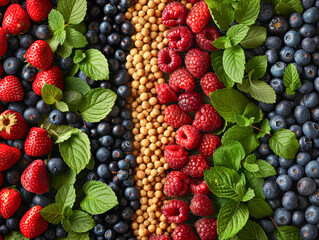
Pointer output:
x,y
259,208
229,102
77,236
15,235
287,7
258,65
72,99
255,37
97,104
251,167
52,213
287,233
81,27
60,35
62,106
244,135
95,65
73,11
222,13
66,212
91,164
246,11
64,50
61,133
217,63
252,231
229,155
284,143
256,184
224,182
248,195
60,180
243,121
71,71
75,38
234,63
231,219
56,20
253,111
265,169
79,222
53,43
99,198
78,56
291,79
51,94
237,33
76,84
265,127
222,42
66,196
76,151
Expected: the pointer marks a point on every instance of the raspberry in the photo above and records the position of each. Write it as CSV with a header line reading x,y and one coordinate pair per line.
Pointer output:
x,y
160,237
207,228
190,102
184,231
199,186
168,60
208,143
198,17
176,211
187,136
180,38
181,79
176,184
174,14
195,166
210,83
197,62
201,205
176,117
207,119
165,94
176,156
205,38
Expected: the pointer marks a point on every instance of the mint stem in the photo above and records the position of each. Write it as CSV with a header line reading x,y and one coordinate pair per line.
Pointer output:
x,y
260,130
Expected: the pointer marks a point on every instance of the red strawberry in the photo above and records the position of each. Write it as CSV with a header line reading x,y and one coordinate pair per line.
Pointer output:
x,y
32,224
15,20
51,76
198,16
40,55
9,156
4,2
35,177
11,89
3,43
12,125
10,201
39,10
38,143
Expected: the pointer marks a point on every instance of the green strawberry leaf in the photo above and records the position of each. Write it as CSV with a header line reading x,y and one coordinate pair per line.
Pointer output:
x,y
222,13
287,7
15,235
64,50
78,56
60,35
265,169
77,236
248,195
222,43
62,106
53,43
72,99
265,127
52,213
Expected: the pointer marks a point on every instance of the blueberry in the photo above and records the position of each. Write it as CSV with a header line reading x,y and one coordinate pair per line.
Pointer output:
x,y
310,129
305,143
13,223
103,171
42,107
277,122
114,39
292,38
296,172
122,175
284,182
117,154
26,195
316,84
311,100
315,114
290,200
306,186
120,55
127,213
12,176
273,43
306,30
121,78
278,25
114,65
295,20
113,166
309,45
92,37
314,198
118,130
287,54
266,12
127,43
31,116
126,146
123,164
309,232
4,230
306,87
119,18
20,54
109,234
49,234
41,200
111,219
99,230
17,107
12,65
92,176
298,217
312,169
281,171
103,154
131,193
105,27
13,42
57,117
301,57
103,128
312,214
129,182
302,114
310,72
106,140
121,227
71,117
282,217
65,63
303,158
110,9
283,108
131,159
42,32
315,58
123,91
26,40
270,189
108,51
56,165
311,15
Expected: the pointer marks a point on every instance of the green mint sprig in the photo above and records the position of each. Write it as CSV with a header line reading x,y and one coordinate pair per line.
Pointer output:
x,y
291,79
287,232
285,7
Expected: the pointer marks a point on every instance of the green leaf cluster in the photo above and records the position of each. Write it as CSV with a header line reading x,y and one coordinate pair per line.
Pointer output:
x,y
285,7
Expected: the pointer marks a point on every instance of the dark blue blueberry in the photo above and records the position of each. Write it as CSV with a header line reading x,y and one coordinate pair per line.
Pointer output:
x,y
287,54
12,176
120,55
108,51
127,43
303,158
273,43
121,77
292,38
310,129
270,189
114,39
290,200
311,15
277,122
299,68
309,45
99,230
4,230
290,120
309,72
312,214
103,128
131,159
103,154
17,107
127,213
92,176
278,25
13,42
314,198
277,84
266,12
42,32
94,26
283,108
118,131
306,87
109,234
303,202
123,91
316,142
295,20
56,165
298,218
26,40
315,58
65,63
284,182
307,30
41,200
122,175
264,149
286,163
307,3
126,146
302,58
131,193
114,65
121,227
281,171
129,182
12,65
123,164
50,233
315,114
71,117
306,186
111,219
57,117
13,223
103,171
19,144
105,27
305,143
92,37
302,114
31,116
311,100
31,99
42,107
110,9
127,28
282,217
113,166
126,3
267,225
296,172
106,140
117,154
26,195
312,169
119,18
272,56
309,232
134,204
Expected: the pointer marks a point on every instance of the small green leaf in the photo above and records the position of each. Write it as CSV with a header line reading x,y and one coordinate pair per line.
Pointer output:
x,y
56,20
91,164
255,37
222,43
284,143
217,63
265,127
252,231
234,63
79,222
52,213
75,38
287,233
62,106
72,99
250,163
64,50
66,196
253,111
256,184
258,65
291,79
15,235
76,84
73,11
81,27
60,180
248,195
287,7
237,33
60,35
243,121
53,43
61,133
51,94
246,11
259,208
78,56
265,169
67,212
222,13
77,236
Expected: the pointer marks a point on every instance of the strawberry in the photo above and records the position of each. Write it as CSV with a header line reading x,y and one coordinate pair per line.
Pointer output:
x,y
38,143
4,2
10,201
51,76
35,177
40,55
11,89
32,224
12,125
9,156
3,43
15,20
39,10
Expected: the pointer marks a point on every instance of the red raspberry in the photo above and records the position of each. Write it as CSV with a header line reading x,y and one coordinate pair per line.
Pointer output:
x,y
190,102
181,79
168,60
180,38
176,117
176,184
183,232
207,228
198,16
210,83
208,144
187,136
205,38
174,14
176,211
197,62
201,205
195,166
165,94
160,237
176,156
199,186
207,119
